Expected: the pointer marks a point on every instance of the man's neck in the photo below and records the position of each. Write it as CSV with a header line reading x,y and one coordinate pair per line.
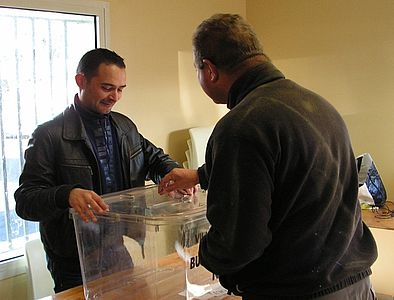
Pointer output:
x,y
84,111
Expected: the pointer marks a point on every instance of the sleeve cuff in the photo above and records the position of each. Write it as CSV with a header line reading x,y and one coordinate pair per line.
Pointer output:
x,y
62,194
202,177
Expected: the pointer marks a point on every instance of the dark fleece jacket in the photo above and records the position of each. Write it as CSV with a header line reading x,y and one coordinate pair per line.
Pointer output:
x,y
282,193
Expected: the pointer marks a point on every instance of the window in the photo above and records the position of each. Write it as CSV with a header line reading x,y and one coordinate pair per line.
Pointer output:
x,y
40,51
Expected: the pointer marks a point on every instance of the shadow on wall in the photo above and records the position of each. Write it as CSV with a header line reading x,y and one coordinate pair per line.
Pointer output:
x,y
196,140
177,144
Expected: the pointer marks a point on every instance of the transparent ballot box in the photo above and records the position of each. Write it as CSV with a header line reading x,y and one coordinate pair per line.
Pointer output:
x,y
145,247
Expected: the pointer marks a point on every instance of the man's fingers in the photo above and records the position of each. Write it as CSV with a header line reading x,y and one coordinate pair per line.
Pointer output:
x,y
167,188
90,215
86,203
83,213
186,191
98,206
87,213
97,203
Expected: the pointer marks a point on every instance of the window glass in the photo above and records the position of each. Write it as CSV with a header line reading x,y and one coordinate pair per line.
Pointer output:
x,y
39,54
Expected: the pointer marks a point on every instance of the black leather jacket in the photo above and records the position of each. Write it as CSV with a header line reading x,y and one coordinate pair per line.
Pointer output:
x,y
59,157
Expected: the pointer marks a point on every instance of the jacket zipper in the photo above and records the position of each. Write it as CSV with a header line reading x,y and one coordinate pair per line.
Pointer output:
x,y
91,169
135,153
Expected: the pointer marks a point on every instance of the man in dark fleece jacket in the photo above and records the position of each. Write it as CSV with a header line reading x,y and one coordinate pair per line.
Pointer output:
x,y
281,179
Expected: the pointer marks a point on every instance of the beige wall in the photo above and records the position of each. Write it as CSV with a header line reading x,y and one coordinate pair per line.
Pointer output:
x,y
383,268
163,96
342,50
14,288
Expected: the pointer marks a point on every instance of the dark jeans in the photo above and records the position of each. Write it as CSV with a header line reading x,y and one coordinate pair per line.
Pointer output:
x,y
64,276
361,290
67,274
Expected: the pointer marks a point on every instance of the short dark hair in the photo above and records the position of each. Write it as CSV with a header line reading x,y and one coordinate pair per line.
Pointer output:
x,y
91,60
226,40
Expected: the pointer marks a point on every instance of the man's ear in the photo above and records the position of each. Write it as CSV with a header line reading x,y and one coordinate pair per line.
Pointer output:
x,y
213,72
80,80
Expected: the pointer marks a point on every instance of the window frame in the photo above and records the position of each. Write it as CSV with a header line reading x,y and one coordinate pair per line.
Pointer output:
x,y
89,7
16,266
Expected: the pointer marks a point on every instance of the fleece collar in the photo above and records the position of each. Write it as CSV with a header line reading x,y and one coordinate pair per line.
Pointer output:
x,y
258,75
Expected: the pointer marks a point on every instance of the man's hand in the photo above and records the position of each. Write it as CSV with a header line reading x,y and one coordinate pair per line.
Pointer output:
x,y
84,201
178,179
179,194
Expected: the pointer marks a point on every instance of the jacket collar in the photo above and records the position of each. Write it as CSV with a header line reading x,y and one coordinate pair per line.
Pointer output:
x,y
258,75
73,128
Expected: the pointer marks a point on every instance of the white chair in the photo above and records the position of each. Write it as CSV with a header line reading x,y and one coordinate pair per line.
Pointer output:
x,y
40,283
198,143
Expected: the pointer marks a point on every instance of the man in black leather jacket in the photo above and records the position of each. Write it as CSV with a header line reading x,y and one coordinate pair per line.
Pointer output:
x,y
86,151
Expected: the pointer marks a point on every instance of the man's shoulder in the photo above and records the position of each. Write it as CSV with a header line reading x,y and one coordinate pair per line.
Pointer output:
x,y
122,121
56,123
57,120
